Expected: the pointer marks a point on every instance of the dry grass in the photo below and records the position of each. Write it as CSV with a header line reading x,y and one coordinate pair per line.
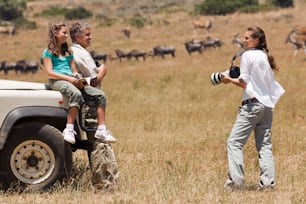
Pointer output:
x,y
172,124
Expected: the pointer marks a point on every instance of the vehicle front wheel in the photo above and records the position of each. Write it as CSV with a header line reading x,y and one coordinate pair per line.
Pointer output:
x,y
34,157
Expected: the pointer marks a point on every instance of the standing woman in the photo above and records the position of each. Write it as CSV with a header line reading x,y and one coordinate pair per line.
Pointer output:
x,y
260,94
59,65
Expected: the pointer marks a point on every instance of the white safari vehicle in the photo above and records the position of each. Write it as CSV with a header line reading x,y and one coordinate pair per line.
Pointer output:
x,y
33,153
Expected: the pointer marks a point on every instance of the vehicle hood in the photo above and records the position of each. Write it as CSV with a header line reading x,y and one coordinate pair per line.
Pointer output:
x,y
21,85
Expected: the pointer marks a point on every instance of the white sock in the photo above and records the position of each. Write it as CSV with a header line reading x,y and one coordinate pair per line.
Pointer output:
x,y
69,126
102,127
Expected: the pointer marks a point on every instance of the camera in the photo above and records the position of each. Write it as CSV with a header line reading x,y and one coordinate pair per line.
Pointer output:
x,y
233,72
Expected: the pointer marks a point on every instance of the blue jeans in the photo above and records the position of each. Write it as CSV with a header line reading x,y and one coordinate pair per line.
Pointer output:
x,y
253,116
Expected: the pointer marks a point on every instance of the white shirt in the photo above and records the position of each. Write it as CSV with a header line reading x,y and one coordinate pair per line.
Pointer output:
x,y
256,72
84,61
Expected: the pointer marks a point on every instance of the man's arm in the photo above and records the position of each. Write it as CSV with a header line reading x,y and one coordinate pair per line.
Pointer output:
x,y
101,73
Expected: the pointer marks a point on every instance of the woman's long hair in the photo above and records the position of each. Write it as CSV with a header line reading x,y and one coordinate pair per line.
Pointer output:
x,y
52,41
257,32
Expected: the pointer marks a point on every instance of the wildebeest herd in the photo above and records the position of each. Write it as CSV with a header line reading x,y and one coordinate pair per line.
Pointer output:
x,y
158,51
296,37
20,66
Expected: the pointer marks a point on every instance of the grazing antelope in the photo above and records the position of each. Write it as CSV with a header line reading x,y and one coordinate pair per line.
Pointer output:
x,y
301,31
236,40
203,25
297,39
127,32
150,53
112,57
9,30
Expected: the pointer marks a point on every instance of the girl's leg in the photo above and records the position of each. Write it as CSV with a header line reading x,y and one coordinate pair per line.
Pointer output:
x,y
72,114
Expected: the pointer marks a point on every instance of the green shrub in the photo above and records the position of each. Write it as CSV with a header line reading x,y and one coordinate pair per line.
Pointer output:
x,y
256,8
139,21
53,11
24,23
283,3
11,9
223,7
104,20
77,13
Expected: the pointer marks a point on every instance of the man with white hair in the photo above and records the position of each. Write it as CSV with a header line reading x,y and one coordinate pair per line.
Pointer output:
x,y
80,34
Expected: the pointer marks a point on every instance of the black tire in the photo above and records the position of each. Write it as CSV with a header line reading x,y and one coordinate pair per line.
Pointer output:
x,y
34,157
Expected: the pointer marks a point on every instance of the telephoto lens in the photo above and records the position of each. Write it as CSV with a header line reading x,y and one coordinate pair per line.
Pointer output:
x,y
216,78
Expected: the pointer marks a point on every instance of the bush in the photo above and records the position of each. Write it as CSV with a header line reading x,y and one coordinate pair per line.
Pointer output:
x,y
24,23
104,20
283,3
139,21
53,11
223,7
11,9
254,8
77,13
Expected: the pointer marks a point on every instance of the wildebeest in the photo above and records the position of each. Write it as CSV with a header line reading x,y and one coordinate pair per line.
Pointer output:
x,y
120,54
236,40
8,66
98,56
136,54
297,38
25,66
22,66
193,46
211,43
203,25
9,30
126,32
163,50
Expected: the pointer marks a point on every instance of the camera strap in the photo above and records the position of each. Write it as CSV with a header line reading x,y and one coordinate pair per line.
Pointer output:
x,y
238,54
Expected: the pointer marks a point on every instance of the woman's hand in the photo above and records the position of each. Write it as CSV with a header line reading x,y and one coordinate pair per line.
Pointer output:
x,y
226,79
238,82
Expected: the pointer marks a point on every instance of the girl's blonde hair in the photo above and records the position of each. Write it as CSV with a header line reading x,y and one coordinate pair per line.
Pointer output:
x,y
52,41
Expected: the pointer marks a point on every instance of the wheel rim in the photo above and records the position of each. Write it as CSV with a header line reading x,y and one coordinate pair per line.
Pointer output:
x,y
32,161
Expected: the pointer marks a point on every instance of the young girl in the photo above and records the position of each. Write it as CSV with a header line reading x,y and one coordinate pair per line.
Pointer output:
x,y
59,65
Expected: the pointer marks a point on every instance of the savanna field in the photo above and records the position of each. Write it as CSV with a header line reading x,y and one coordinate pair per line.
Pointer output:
x,y
171,123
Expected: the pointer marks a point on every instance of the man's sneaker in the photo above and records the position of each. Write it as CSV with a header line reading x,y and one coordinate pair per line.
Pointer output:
x,y
105,135
69,135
